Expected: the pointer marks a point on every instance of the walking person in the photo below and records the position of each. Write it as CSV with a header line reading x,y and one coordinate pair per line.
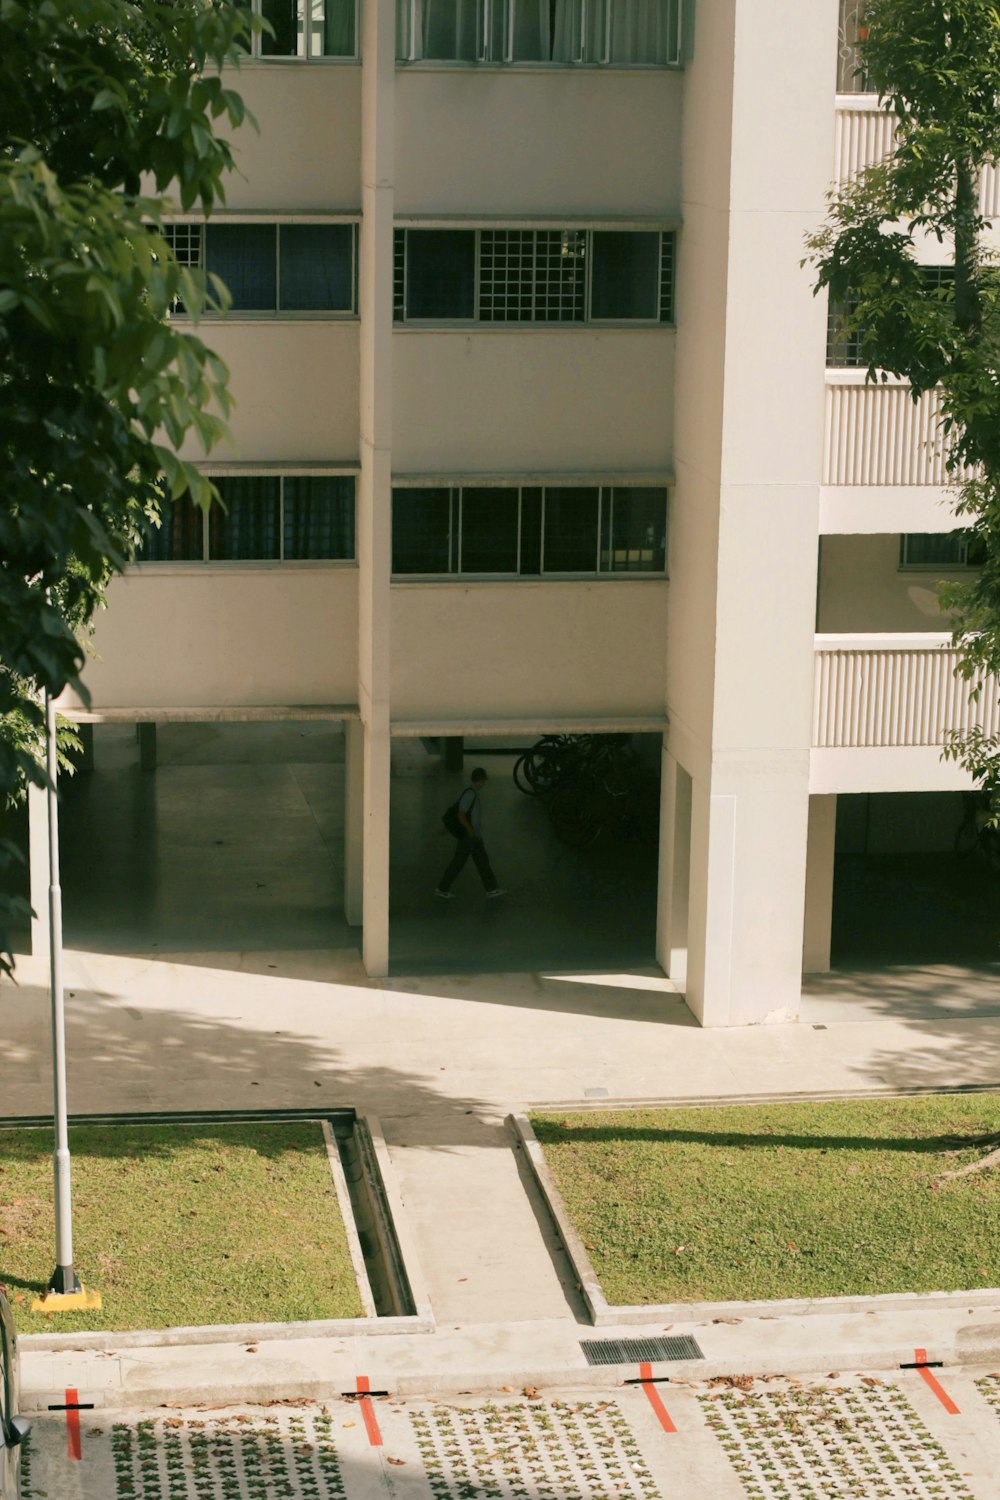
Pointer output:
x,y
464,822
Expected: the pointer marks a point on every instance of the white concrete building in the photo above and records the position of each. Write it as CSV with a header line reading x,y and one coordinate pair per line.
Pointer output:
x,y
513,284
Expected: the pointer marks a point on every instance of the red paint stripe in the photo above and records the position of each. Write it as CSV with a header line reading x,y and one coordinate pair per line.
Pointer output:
x,y
920,1355
72,1424
653,1397
368,1412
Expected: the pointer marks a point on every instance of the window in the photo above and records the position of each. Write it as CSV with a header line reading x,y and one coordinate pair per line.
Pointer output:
x,y
851,31
624,33
941,549
845,345
307,29
275,268
266,518
527,531
533,275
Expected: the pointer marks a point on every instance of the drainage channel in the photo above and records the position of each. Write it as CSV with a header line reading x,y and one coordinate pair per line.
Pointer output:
x,y
390,1286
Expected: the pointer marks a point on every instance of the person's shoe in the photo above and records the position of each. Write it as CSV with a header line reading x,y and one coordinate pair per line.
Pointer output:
x,y
444,895
492,895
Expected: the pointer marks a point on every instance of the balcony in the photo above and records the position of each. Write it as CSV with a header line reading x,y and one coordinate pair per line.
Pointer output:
x,y
882,707
864,135
884,458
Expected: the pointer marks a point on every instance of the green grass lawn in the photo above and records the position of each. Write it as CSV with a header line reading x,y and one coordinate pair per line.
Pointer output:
x,y
180,1224
782,1200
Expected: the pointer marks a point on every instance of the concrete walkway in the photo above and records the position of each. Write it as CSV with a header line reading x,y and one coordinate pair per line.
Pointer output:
x,y
442,1062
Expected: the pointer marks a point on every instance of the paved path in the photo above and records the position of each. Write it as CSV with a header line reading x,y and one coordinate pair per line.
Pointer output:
x,y
888,1435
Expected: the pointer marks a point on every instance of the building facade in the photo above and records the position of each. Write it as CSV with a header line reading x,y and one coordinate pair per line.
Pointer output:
x,y
538,427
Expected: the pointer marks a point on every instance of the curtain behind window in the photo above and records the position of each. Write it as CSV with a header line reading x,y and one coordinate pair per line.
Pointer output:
x,y
244,255
247,530
319,517
179,536
317,271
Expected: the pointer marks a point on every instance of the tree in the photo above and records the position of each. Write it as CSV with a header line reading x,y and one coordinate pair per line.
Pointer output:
x,y
105,105
936,66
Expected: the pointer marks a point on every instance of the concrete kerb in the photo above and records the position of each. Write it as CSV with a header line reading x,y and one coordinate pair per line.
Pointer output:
x,y
395,1238
607,1315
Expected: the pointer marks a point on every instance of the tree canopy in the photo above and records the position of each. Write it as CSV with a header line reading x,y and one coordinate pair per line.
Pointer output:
x,y
106,107
935,65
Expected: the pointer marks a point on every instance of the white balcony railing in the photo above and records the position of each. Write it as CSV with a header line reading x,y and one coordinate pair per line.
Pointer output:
x,y
864,136
878,435
894,691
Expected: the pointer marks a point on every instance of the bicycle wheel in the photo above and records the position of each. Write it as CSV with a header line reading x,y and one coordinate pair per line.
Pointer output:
x,y
522,780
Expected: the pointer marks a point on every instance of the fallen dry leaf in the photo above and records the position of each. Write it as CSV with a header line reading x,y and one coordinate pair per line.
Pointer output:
x,y
532,1392
727,1320
396,1460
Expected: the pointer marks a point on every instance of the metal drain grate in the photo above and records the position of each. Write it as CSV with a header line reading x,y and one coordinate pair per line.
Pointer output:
x,y
639,1351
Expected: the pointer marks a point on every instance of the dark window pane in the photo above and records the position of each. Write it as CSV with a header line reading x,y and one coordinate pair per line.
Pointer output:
x,y
333,28
945,549
283,16
421,530
570,530
448,29
489,531
641,31
244,256
248,527
317,272
178,538
319,516
440,273
531,530
625,275
638,530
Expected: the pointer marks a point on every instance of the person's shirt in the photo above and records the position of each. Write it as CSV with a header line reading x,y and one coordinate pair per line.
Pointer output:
x,y
468,803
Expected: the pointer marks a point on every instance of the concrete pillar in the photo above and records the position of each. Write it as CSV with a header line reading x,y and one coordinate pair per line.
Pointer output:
x,y
86,734
745,512
819,885
675,871
378,84
38,869
354,820
147,747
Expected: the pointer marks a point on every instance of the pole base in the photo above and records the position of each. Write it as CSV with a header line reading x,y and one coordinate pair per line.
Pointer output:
x,y
78,1301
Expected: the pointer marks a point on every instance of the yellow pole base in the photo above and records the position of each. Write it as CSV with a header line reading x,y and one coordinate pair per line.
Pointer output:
x,y
55,1302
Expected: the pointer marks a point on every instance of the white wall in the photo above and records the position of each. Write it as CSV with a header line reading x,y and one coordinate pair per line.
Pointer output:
x,y
496,650
476,401
522,141
307,155
295,388
863,590
177,637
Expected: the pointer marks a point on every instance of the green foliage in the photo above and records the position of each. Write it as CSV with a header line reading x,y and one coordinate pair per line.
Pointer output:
x,y
936,65
97,387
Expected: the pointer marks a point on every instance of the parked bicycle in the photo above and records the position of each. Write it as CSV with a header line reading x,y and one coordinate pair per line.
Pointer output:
x,y
592,784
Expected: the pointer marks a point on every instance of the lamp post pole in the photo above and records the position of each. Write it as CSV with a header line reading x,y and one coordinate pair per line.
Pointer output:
x,y
64,1278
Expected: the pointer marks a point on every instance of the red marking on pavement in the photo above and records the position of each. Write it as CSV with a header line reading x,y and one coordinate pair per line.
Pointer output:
x,y
920,1355
368,1412
653,1397
72,1423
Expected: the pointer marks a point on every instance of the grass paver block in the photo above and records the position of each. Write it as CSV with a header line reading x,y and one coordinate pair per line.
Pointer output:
x,y
820,1199
180,1225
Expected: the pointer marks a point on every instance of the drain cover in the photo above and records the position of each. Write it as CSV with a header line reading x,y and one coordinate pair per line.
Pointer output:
x,y
639,1351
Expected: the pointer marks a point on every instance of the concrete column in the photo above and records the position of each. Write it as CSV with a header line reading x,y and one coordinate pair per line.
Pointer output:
x,y
745,516
378,84
86,734
675,870
38,870
147,747
354,820
819,885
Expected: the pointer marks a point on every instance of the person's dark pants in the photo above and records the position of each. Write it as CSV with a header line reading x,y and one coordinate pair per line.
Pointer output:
x,y
465,847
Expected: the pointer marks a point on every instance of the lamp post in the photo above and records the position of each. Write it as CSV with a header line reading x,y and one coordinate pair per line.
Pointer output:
x,y
65,1290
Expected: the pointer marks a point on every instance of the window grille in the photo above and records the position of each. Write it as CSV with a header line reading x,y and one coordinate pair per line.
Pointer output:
x,y
845,345
523,531
942,549
851,31
185,240
533,276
